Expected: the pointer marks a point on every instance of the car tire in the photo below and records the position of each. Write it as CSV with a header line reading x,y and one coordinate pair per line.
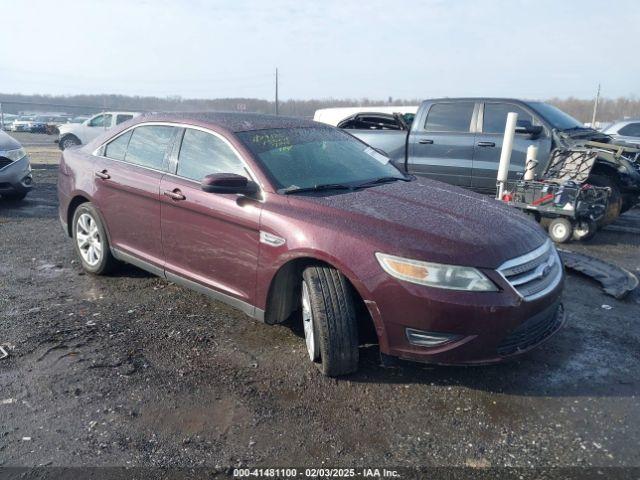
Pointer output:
x,y
333,321
614,207
69,141
584,230
91,242
560,230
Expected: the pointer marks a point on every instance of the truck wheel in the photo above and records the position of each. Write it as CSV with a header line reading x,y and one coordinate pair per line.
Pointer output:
x,y
91,242
584,230
560,230
330,325
69,141
614,206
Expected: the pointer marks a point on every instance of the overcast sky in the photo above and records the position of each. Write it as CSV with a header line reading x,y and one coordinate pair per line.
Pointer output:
x,y
328,48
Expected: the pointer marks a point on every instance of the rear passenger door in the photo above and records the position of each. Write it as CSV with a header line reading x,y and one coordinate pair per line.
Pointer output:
x,y
210,239
488,145
127,191
442,147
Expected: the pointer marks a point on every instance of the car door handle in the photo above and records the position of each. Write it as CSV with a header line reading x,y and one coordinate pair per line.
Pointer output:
x,y
103,175
174,195
425,141
486,144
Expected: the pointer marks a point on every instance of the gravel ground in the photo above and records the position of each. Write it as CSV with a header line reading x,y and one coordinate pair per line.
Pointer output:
x,y
131,370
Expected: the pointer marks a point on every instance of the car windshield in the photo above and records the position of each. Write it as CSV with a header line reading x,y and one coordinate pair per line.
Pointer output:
x,y
556,117
300,158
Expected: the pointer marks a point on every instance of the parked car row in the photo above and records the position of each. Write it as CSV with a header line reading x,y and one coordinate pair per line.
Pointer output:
x,y
36,123
292,220
458,141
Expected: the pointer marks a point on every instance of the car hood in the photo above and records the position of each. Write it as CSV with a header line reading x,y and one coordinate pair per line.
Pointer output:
x,y
8,143
429,220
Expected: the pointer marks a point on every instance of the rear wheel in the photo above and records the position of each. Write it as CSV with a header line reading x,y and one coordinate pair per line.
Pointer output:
x,y
330,324
584,230
91,242
614,207
560,230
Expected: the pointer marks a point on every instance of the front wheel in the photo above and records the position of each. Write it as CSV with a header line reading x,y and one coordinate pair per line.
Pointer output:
x,y
68,141
91,242
330,325
560,230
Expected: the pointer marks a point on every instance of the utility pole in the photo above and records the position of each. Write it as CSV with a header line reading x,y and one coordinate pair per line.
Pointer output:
x,y
595,108
276,91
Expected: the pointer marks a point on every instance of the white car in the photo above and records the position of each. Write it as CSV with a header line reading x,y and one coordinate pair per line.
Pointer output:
x,y
334,116
82,133
626,131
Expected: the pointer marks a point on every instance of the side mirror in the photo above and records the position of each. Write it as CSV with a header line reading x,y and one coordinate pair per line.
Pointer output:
x,y
528,129
228,183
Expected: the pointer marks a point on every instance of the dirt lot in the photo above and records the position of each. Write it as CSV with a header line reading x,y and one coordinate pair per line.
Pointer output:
x,y
132,370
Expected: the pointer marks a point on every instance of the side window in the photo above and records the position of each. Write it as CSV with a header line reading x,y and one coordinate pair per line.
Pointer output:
x,y
450,117
101,121
117,148
202,154
495,117
631,130
148,145
123,118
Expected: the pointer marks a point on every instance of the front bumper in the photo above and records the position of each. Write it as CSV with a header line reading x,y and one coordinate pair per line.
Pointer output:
x,y
490,327
16,177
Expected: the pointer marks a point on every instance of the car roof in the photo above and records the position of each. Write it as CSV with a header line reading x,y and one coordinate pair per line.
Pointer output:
x,y
479,99
231,121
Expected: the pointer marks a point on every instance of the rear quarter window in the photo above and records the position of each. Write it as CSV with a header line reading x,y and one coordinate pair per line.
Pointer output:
x,y
148,145
450,117
117,149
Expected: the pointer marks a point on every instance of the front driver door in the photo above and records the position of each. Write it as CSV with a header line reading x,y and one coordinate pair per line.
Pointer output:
x,y
210,239
488,145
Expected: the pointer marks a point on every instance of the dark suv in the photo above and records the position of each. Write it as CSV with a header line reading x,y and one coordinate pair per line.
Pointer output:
x,y
287,219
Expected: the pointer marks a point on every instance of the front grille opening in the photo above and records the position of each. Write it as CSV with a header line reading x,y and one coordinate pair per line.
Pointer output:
x,y
534,274
532,332
4,161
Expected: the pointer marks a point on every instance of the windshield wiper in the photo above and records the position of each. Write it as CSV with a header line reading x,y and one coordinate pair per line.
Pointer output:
x,y
378,181
315,188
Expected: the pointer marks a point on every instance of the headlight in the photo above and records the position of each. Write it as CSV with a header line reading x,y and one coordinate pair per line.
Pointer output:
x,y
14,155
451,277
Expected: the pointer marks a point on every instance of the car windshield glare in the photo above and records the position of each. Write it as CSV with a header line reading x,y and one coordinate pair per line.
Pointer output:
x,y
556,117
316,156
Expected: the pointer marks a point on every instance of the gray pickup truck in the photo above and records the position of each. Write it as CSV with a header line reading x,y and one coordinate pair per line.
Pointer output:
x,y
458,141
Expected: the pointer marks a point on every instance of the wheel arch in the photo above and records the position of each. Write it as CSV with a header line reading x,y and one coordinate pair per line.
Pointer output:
x,y
78,199
283,295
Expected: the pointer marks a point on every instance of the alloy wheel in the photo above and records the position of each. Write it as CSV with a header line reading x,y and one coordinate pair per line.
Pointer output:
x,y
89,240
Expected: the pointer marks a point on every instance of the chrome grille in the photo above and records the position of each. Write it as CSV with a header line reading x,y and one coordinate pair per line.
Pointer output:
x,y
534,274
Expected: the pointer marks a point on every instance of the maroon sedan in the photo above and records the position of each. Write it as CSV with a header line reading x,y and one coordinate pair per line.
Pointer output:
x,y
288,219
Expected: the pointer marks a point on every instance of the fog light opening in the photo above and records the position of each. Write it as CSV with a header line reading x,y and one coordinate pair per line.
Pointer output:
x,y
429,339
